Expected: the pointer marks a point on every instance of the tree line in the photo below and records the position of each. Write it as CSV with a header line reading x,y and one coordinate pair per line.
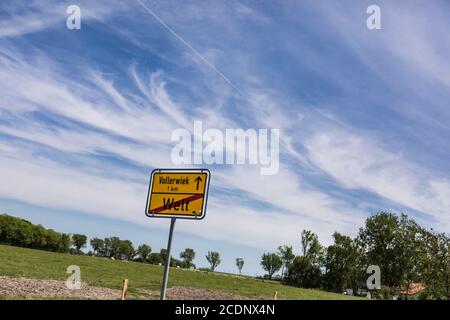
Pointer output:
x,y
22,233
405,252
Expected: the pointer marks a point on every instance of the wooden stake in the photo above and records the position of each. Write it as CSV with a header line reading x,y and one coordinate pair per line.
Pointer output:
x,y
124,289
275,295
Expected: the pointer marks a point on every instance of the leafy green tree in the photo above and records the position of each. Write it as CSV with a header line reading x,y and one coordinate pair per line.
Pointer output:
x,y
52,239
396,246
412,243
155,258
380,239
358,267
40,238
111,248
304,273
125,250
143,252
98,246
213,259
337,263
343,264
271,263
240,264
436,273
64,243
79,241
188,256
311,246
287,256
19,232
163,255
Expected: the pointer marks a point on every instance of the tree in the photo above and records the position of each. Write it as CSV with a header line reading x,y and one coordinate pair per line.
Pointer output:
x,y
337,263
155,258
395,245
412,243
287,256
64,244
19,232
343,267
53,240
240,264
379,237
79,241
311,246
111,248
271,263
188,256
41,241
163,255
125,250
98,245
303,273
306,270
437,266
143,251
358,268
213,259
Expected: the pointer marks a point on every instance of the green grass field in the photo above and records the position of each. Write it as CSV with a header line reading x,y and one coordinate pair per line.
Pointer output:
x,y
22,262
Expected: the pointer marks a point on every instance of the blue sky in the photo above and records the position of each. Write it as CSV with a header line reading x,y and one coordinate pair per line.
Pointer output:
x,y
85,115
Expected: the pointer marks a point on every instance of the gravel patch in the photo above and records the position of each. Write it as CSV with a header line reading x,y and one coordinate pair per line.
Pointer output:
x,y
39,288
53,288
186,293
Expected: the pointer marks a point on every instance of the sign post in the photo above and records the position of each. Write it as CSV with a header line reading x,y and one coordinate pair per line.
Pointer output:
x,y
176,194
167,263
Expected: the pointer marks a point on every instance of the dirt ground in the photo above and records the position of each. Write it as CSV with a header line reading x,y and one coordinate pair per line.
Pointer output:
x,y
38,288
185,293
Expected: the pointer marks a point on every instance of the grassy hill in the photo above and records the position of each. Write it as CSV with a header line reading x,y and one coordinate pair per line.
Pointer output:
x,y
100,272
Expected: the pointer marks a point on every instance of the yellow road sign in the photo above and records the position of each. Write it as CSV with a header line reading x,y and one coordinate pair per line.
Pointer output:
x,y
178,193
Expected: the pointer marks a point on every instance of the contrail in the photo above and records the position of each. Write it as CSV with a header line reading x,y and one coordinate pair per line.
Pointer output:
x,y
176,35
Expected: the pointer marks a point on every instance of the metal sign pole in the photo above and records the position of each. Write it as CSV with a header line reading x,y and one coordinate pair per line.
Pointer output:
x,y
167,264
